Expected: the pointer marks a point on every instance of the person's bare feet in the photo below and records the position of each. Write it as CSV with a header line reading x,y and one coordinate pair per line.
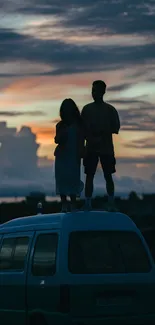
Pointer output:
x,y
87,205
64,208
111,207
73,207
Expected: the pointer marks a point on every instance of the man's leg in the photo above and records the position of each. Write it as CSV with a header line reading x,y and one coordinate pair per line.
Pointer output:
x,y
108,165
64,203
88,191
110,191
73,202
90,164
89,186
110,187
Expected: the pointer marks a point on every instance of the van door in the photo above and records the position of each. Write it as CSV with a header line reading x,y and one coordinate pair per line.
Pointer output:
x,y
14,253
42,287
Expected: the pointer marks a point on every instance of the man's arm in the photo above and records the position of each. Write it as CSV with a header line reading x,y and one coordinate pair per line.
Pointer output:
x,y
83,115
115,121
84,128
84,121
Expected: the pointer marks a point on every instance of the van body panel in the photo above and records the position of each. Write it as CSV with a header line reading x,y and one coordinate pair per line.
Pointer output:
x,y
70,221
21,229
117,298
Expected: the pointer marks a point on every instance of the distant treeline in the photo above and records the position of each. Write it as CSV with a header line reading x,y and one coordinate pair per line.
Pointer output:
x,y
141,210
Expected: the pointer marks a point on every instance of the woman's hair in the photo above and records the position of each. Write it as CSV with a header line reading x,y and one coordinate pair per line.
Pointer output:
x,y
69,108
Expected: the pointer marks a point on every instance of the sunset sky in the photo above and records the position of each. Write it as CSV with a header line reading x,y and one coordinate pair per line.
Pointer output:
x,y
53,49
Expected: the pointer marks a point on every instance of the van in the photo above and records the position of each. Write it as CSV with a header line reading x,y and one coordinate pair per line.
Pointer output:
x,y
83,268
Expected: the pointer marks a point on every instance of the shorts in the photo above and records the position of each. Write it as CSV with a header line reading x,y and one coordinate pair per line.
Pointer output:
x,y
90,162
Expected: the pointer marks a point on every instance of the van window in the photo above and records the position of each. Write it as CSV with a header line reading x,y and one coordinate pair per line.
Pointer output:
x,y
20,253
13,253
6,253
103,252
44,259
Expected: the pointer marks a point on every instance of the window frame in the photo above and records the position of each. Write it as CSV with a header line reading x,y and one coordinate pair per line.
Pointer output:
x,y
16,237
11,258
145,252
15,245
41,234
116,232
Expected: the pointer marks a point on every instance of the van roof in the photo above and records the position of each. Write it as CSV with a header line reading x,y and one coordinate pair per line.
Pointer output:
x,y
80,220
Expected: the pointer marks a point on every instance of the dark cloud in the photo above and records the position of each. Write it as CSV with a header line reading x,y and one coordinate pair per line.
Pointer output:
x,y
78,17
117,16
8,35
17,113
123,17
140,73
71,58
151,80
153,178
120,87
129,184
137,116
45,8
124,184
145,143
132,120
148,159
130,101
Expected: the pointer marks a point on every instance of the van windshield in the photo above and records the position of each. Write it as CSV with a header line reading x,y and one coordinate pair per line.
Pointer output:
x,y
105,252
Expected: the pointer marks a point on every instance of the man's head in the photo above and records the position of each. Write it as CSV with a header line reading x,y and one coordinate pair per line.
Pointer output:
x,y
98,90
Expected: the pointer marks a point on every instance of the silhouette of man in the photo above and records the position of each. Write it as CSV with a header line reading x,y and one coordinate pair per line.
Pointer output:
x,y
100,121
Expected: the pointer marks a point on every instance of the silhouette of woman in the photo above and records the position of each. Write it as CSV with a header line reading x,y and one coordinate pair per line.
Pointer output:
x,y
68,153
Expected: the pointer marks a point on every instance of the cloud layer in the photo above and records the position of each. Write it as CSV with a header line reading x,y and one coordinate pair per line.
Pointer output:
x,y
50,50
75,37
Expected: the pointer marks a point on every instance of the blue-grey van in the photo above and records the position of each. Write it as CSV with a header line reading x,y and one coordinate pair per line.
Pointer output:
x,y
83,268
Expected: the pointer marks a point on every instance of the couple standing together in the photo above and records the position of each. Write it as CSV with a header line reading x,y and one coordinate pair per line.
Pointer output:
x,y
89,136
